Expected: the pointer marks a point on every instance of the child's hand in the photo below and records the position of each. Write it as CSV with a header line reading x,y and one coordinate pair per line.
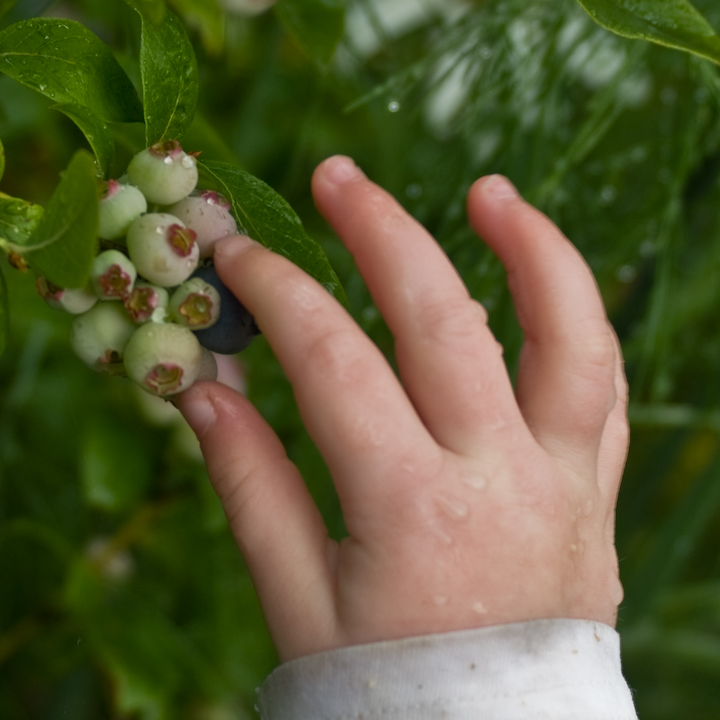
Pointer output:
x,y
467,504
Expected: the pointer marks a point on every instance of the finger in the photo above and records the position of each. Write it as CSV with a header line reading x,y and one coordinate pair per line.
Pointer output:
x,y
273,518
351,402
451,365
565,383
616,436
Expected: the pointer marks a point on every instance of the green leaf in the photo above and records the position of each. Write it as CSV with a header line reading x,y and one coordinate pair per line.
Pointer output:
x,y
96,132
317,25
169,78
4,314
64,61
266,217
152,10
18,219
64,244
2,160
673,23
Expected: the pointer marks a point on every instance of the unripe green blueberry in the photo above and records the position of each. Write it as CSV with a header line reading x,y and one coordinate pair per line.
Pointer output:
x,y
118,208
100,335
72,300
147,303
164,173
208,214
195,304
163,358
112,275
163,249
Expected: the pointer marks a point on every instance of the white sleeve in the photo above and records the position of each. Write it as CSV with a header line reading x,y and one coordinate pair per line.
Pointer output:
x,y
549,669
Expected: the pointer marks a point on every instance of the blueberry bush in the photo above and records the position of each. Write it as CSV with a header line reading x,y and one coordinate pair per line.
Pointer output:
x,y
122,594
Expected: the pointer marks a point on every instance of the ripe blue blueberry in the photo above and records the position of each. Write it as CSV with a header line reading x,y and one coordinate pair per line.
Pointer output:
x,y
118,208
164,173
99,337
163,249
235,327
163,358
208,214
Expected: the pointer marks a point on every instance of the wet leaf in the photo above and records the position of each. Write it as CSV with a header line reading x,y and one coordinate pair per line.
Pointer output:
x,y
266,217
64,61
673,23
153,10
169,78
96,132
2,160
317,25
65,242
18,219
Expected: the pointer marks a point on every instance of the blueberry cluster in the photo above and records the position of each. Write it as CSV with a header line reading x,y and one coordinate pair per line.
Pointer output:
x,y
155,309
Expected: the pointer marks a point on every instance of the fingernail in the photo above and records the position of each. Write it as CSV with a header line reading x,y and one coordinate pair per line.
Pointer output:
x,y
198,410
341,170
234,245
500,187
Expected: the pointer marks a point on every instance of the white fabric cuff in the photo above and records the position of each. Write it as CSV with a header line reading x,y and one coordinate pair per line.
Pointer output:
x,y
550,669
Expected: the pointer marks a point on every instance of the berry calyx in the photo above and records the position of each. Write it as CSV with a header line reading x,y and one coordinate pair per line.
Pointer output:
x,y
163,359
195,304
181,239
164,172
163,250
112,275
208,214
147,302
120,205
100,335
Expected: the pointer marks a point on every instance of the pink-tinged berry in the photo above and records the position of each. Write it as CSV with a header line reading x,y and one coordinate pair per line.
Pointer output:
x,y
147,303
208,214
99,337
112,275
163,359
164,173
118,208
195,304
163,249
72,300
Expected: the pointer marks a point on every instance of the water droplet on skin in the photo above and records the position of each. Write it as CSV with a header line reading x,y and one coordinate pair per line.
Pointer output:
x,y
393,106
453,507
479,608
476,481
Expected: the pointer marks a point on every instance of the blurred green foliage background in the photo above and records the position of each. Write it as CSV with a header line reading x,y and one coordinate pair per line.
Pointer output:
x,y
122,594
